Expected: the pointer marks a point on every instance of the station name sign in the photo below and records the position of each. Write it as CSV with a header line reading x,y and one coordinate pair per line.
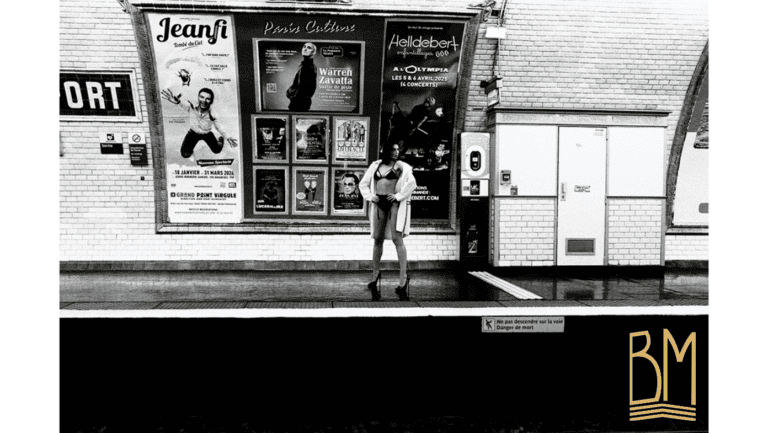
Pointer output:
x,y
98,95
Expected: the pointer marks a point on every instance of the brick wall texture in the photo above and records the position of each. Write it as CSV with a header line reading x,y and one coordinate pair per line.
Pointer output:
x,y
634,232
526,232
682,247
595,54
633,55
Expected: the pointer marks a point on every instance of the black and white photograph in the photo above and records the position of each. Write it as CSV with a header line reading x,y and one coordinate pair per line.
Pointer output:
x,y
270,138
347,198
271,186
310,190
389,216
310,139
350,140
309,75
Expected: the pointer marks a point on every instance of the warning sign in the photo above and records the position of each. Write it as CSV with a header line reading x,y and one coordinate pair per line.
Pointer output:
x,y
545,324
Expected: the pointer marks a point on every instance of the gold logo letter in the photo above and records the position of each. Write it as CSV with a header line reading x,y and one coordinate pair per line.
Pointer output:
x,y
643,354
691,341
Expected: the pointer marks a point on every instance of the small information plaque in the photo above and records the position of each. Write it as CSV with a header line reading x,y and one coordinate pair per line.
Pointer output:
x,y
544,324
111,142
111,148
138,154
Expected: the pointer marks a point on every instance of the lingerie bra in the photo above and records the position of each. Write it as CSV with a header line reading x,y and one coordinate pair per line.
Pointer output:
x,y
391,174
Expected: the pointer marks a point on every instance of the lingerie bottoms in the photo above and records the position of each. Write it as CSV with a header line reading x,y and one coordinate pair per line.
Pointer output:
x,y
384,204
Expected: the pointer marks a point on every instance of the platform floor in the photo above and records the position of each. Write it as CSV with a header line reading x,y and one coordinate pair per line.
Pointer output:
x,y
147,290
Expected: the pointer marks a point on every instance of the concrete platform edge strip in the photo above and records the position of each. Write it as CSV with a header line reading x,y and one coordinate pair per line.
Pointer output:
x,y
246,265
506,286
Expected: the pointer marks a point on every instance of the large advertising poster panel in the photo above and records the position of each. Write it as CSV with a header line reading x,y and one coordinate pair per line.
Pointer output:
x,y
309,76
197,75
421,75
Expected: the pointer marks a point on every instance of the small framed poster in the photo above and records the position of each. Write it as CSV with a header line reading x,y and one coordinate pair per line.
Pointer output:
x,y
270,138
346,198
350,139
270,190
310,191
310,139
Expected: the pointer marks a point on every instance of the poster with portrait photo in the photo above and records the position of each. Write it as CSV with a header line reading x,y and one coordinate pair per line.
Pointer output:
x,y
310,139
270,186
309,76
347,199
350,139
310,192
270,138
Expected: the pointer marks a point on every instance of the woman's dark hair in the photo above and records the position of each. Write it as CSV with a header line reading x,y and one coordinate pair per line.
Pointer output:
x,y
385,154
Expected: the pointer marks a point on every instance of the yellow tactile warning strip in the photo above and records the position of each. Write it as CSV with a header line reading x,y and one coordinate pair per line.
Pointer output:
x,y
517,292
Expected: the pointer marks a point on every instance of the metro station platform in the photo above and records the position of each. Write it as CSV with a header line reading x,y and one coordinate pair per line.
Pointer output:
x,y
436,288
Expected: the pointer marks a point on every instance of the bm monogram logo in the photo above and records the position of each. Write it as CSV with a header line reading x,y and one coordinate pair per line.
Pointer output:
x,y
658,406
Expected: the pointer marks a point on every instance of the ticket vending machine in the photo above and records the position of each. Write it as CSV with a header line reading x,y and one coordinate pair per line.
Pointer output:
x,y
473,197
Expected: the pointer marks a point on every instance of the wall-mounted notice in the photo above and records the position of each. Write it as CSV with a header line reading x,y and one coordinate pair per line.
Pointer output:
x,y
305,76
197,78
111,142
522,324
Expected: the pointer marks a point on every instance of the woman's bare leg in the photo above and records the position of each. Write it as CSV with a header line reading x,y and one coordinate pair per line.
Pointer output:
x,y
402,256
379,229
397,239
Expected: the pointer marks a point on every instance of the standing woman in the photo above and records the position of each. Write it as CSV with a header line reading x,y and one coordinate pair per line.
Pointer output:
x,y
388,185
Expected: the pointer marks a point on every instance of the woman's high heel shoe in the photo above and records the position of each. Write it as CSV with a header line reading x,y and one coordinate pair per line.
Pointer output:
x,y
375,288
404,291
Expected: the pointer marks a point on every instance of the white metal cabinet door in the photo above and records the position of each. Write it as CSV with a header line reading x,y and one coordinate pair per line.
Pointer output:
x,y
581,196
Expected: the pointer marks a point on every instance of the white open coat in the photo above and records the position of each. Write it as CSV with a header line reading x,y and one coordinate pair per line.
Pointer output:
x,y
403,189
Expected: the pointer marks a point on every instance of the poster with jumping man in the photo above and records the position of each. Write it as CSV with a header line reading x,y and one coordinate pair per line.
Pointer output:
x,y
197,81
